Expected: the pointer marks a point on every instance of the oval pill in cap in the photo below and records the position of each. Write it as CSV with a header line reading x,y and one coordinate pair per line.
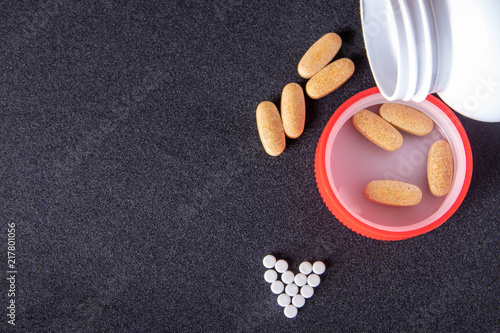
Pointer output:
x,y
407,119
393,193
377,130
440,168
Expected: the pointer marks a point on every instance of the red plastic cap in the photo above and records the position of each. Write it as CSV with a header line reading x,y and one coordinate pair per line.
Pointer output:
x,y
450,127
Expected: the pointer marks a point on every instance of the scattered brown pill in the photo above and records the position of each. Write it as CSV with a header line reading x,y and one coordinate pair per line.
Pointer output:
x,y
407,119
393,193
377,130
319,55
330,78
440,168
293,110
270,128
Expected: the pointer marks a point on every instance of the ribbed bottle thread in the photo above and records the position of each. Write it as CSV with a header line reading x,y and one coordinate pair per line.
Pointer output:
x,y
408,45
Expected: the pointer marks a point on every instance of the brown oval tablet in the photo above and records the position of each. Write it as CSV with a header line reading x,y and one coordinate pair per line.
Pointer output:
x,y
270,128
319,55
407,119
440,168
293,110
330,78
377,130
393,193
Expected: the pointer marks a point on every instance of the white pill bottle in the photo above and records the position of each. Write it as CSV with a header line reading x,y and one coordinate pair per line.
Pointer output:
x,y
448,47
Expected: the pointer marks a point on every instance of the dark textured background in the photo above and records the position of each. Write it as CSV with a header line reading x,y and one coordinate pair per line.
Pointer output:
x,y
144,202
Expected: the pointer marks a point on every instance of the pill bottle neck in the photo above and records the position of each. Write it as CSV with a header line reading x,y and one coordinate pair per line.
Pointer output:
x,y
442,45
409,46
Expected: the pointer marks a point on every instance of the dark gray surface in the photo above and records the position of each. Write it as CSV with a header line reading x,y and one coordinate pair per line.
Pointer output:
x,y
143,200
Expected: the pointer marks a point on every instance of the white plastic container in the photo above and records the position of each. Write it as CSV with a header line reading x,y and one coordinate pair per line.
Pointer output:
x,y
448,47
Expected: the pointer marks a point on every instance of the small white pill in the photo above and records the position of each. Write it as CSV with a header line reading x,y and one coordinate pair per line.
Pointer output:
x,y
319,267
281,266
298,301
277,287
287,277
307,291
313,280
305,268
283,300
300,279
292,289
290,311
269,261
270,275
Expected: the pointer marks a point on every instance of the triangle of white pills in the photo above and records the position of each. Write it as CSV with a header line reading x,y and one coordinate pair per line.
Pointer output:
x,y
293,289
